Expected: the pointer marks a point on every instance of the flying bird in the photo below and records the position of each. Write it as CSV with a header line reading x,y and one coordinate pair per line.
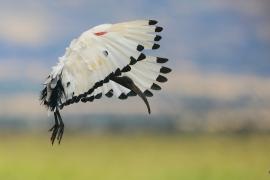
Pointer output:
x,y
107,60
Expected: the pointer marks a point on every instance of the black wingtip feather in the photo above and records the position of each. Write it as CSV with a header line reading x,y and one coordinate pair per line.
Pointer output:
x,y
140,48
148,93
152,22
132,61
161,60
165,70
123,96
91,98
155,46
155,87
126,68
161,78
158,29
157,38
141,57
98,96
109,94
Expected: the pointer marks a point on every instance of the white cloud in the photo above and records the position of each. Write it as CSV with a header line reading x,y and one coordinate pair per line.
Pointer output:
x,y
24,29
29,70
190,81
21,105
25,23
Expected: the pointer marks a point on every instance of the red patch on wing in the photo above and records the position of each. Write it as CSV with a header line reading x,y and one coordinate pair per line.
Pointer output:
x,y
100,33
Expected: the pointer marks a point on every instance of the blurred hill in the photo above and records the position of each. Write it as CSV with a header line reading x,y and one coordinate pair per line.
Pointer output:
x,y
221,120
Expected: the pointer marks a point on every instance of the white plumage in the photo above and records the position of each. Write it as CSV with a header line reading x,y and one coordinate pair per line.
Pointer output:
x,y
106,60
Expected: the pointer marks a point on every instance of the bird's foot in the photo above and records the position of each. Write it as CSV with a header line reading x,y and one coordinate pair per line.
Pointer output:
x,y
57,132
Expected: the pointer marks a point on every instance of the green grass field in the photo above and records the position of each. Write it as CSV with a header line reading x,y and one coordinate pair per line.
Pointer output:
x,y
142,157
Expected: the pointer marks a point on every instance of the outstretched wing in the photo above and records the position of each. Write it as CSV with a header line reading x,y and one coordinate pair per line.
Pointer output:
x,y
91,63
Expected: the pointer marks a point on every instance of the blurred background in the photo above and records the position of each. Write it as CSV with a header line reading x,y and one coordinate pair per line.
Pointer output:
x,y
210,121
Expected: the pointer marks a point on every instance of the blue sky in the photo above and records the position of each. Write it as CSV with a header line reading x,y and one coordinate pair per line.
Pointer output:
x,y
218,49
216,35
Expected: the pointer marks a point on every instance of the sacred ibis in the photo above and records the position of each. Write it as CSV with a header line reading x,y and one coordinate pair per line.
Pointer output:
x,y
107,60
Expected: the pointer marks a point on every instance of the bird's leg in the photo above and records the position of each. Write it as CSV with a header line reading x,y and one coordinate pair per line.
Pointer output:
x,y
61,127
55,128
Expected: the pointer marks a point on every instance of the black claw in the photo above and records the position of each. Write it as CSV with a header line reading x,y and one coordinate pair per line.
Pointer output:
x,y
51,129
54,130
60,133
61,127
58,128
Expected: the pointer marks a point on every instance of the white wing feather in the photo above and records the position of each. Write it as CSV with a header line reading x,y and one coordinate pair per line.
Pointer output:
x,y
100,52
